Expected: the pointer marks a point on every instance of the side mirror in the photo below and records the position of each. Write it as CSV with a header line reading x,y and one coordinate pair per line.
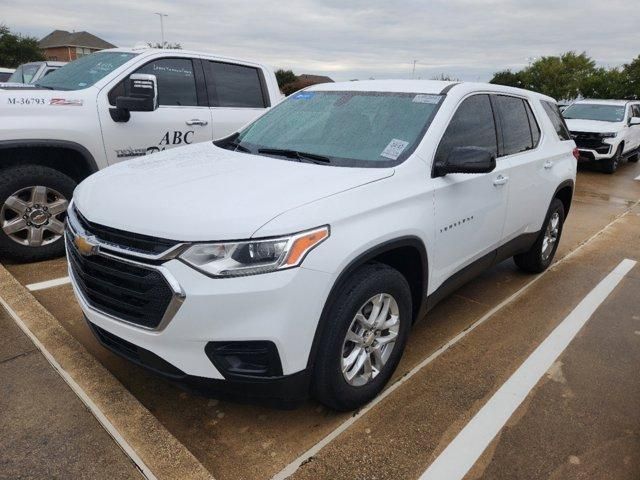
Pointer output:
x,y
466,160
143,97
634,121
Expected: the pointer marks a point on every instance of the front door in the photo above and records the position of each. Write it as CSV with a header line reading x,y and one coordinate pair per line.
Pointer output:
x,y
470,209
182,117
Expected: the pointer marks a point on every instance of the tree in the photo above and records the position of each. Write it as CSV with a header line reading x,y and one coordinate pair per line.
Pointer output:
x,y
284,77
631,73
507,78
603,83
175,46
16,49
445,77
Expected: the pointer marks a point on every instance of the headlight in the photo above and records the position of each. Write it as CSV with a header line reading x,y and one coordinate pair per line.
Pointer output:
x,y
235,259
608,134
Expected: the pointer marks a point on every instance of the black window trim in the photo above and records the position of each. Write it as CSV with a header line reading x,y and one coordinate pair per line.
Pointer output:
x,y
500,127
201,95
462,100
561,116
210,80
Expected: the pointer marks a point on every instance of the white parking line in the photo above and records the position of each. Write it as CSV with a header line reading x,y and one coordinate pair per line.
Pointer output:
x,y
292,467
93,408
463,452
48,284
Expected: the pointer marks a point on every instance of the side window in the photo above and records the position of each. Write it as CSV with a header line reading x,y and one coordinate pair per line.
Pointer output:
x,y
472,125
553,112
515,125
533,124
176,81
635,110
235,86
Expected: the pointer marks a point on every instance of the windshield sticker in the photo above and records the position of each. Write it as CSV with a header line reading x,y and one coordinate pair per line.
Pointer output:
x,y
304,95
394,149
432,99
66,102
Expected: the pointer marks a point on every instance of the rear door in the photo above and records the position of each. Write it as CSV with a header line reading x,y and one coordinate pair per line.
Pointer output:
x,y
182,116
469,209
634,133
238,94
531,167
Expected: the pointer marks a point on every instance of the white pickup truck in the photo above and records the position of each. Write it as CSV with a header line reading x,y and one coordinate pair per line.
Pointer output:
x,y
89,114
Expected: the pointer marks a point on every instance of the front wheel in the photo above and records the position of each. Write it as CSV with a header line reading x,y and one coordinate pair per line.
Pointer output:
x,y
611,164
364,338
34,202
541,254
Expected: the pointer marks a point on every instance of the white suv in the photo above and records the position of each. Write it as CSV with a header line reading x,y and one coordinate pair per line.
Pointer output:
x,y
294,256
605,131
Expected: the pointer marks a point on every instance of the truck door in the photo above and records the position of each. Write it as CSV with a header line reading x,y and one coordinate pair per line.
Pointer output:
x,y
182,117
238,94
470,209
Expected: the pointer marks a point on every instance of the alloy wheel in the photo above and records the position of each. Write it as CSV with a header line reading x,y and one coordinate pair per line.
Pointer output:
x,y
550,235
370,339
34,216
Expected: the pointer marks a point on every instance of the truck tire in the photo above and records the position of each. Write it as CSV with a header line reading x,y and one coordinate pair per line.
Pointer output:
x,y
33,205
367,329
610,165
541,254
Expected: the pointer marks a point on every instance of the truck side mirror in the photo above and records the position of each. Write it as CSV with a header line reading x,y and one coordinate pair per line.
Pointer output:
x,y
634,121
466,160
143,97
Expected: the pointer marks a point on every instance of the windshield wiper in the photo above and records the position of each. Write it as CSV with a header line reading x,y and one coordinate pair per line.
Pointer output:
x,y
300,156
43,86
231,142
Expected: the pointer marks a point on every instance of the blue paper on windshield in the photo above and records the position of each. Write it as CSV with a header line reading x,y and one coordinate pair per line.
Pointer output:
x,y
304,95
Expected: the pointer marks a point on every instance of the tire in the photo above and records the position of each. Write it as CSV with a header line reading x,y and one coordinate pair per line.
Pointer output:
x,y
610,165
329,384
538,259
21,189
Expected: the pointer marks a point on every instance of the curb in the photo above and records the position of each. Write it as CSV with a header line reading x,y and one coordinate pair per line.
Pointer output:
x,y
154,450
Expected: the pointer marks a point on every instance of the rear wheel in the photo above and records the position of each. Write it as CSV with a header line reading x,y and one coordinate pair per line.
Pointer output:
x,y
541,254
34,202
611,164
367,329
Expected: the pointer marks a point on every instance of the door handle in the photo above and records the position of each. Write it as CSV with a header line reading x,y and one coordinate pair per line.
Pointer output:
x,y
196,121
500,180
548,164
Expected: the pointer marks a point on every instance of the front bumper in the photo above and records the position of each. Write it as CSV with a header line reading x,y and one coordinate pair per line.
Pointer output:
x,y
592,147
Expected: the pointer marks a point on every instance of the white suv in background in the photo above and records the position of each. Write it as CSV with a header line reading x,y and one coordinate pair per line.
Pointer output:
x,y
294,256
605,131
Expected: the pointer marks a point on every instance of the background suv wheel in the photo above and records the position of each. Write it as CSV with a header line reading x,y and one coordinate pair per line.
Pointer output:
x,y
611,165
368,325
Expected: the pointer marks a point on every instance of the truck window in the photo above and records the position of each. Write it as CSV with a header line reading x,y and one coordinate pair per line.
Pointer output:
x,y
516,132
234,86
472,125
553,112
176,81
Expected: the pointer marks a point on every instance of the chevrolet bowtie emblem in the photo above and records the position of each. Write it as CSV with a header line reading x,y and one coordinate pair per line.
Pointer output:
x,y
86,245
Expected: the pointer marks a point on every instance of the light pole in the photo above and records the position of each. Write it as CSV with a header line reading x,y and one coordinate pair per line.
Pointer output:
x,y
413,73
161,15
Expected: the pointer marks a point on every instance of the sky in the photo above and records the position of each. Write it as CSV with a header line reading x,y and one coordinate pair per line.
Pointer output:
x,y
356,39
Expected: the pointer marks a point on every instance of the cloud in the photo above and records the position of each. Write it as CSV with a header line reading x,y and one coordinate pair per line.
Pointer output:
x,y
468,39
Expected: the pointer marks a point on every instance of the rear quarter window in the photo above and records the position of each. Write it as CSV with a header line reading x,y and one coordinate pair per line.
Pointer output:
x,y
553,112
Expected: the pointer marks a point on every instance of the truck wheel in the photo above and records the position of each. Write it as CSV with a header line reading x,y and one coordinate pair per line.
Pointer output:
x,y
367,329
541,254
611,164
34,202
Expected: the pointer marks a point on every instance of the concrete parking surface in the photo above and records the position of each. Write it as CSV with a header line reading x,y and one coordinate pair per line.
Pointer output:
x,y
580,421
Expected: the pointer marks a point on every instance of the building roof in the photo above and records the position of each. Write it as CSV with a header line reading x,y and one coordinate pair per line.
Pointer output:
x,y
62,38
315,78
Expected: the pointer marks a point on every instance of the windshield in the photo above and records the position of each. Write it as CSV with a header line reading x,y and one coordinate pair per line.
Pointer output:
x,y
595,111
85,71
358,129
25,73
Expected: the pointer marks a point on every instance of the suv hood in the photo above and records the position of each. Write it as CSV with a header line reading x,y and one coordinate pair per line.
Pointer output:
x,y
593,126
205,193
